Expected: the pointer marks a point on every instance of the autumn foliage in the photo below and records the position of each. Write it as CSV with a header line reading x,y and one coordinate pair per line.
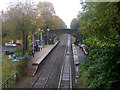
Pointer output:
x,y
100,25
22,19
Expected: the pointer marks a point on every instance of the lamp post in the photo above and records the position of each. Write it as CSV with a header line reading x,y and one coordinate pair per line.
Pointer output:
x,y
47,35
33,39
41,37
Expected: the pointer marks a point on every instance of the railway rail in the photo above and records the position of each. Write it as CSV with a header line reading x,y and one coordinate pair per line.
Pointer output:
x,y
65,76
42,82
65,80
56,73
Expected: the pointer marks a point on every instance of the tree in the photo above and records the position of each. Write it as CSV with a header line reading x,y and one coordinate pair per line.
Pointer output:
x,y
57,23
74,24
46,11
20,16
22,19
100,25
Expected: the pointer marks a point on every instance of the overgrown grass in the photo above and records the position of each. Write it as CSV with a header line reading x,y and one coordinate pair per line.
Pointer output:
x,y
73,39
8,67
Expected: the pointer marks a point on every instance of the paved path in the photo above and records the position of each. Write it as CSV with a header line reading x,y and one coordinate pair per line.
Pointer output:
x,y
4,48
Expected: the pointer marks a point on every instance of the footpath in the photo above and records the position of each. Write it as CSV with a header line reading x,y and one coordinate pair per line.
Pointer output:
x,y
24,82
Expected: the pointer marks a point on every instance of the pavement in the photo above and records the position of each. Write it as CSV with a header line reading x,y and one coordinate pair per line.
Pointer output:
x,y
39,55
4,48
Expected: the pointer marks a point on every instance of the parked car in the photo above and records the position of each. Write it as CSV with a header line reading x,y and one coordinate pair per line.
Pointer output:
x,y
18,42
10,44
9,52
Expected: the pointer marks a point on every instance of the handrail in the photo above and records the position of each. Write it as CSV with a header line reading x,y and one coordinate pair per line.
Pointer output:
x,y
8,82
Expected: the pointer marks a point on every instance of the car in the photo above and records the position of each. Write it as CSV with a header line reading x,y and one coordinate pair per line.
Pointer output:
x,y
10,44
18,42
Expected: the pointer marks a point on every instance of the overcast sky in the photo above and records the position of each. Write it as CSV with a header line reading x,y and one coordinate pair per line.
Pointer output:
x,y
65,9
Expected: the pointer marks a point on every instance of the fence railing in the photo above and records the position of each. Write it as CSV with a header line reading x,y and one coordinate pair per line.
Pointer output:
x,y
9,83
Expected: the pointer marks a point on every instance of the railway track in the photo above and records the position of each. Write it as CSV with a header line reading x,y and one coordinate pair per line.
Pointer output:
x,y
65,76
41,82
44,76
65,80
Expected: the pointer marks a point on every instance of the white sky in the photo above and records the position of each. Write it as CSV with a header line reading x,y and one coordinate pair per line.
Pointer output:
x,y
65,9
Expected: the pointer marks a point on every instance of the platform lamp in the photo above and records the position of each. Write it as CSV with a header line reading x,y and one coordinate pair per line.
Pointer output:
x,y
47,35
33,39
39,36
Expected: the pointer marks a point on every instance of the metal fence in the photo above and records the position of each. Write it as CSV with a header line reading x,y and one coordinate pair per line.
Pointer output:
x,y
9,83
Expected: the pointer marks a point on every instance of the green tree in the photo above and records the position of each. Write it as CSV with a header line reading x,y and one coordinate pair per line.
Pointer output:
x,y
100,25
46,11
20,18
75,23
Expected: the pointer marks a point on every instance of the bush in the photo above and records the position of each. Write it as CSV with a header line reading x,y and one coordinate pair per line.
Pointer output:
x,y
101,70
21,68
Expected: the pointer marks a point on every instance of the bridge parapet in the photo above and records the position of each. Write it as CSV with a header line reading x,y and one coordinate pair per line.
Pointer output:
x,y
52,33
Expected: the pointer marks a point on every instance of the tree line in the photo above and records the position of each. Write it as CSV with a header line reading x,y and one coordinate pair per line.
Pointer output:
x,y
23,18
100,24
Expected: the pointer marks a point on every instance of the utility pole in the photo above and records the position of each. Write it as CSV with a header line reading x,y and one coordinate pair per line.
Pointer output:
x,y
41,37
33,41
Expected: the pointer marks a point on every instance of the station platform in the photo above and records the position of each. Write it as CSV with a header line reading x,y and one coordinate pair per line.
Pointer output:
x,y
37,59
39,56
